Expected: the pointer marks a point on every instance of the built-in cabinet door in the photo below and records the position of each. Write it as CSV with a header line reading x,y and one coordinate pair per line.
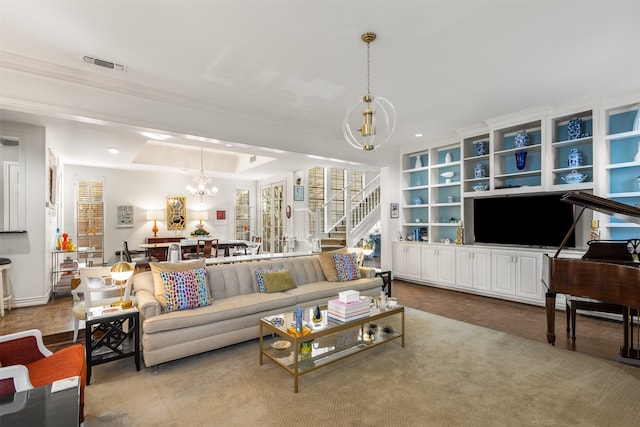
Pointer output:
x,y
438,264
429,264
464,268
399,262
406,260
473,267
503,270
517,273
447,265
527,276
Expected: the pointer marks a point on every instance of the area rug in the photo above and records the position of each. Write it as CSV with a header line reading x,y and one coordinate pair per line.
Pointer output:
x,y
449,373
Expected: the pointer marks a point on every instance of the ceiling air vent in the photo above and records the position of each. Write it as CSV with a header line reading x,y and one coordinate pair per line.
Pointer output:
x,y
105,64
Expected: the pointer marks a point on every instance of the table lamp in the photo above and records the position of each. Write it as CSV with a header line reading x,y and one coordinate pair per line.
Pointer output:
x,y
154,215
121,272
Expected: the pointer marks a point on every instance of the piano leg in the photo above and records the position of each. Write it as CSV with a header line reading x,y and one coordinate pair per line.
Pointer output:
x,y
629,353
550,301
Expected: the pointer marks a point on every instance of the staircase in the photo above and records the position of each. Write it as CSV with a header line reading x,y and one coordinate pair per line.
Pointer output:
x,y
362,213
335,239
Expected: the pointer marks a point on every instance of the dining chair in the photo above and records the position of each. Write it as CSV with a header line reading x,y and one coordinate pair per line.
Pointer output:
x,y
96,289
142,261
204,249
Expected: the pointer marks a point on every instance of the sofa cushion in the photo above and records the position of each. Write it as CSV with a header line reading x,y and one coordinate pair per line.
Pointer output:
x,y
347,266
328,264
329,290
278,281
223,309
159,267
259,276
185,289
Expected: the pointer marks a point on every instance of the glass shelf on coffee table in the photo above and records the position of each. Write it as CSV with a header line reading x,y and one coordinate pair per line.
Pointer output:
x,y
327,341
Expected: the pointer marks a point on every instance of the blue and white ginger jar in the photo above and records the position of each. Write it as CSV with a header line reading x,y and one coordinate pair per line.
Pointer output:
x,y
480,171
574,128
521,139
481,148
575,158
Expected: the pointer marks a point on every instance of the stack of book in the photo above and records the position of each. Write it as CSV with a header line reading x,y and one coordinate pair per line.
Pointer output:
x,y
346,311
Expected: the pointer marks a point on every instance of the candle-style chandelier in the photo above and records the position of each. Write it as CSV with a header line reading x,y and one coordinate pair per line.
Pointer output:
x,y
202,182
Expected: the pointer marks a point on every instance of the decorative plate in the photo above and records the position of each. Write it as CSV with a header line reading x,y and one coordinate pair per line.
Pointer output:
x,y
281,345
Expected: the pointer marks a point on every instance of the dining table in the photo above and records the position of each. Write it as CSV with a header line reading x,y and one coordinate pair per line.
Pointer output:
x,y
188,245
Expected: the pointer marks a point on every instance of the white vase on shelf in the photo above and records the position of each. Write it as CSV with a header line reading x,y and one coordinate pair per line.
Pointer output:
x,y
448,158
418,162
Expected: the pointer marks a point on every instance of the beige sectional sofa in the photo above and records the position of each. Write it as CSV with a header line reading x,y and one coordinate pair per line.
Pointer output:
x,y
237,305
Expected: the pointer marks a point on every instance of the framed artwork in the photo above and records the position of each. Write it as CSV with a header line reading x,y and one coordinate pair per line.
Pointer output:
x,y
221,216
124,216
176,212
298,193
395,210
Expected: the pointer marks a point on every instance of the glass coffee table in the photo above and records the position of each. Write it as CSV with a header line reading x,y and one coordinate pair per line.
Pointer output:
x,y
325,342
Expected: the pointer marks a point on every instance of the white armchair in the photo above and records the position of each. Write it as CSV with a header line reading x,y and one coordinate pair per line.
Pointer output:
x,y
96,289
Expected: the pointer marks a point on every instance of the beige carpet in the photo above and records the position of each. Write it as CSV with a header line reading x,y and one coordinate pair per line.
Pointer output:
x,y
449,374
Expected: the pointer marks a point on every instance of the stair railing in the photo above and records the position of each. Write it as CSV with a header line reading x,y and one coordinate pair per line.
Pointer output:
x,y
358,208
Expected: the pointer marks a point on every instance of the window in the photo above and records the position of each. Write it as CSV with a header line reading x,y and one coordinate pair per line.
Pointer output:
x,y
316,196
90,219
244,215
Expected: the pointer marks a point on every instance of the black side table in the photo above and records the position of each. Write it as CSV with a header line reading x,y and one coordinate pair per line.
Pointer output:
x,y
386,280
107,338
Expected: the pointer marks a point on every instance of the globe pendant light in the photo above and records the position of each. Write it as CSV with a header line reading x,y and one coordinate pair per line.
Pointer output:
x,y
376,114
202,182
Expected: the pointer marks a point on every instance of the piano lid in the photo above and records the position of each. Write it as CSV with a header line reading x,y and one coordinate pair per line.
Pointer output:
x,y
611,207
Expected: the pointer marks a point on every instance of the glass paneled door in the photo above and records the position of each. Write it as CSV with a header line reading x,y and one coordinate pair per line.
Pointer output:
x,y
272,217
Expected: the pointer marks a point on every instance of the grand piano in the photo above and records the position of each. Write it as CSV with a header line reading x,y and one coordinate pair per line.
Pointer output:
x,y
609,272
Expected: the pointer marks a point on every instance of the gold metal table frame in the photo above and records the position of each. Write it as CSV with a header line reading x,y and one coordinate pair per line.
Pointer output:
x,y
332,331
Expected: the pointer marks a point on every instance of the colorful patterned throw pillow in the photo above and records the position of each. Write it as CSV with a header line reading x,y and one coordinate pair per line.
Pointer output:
x,y
261,284
347,266
185,289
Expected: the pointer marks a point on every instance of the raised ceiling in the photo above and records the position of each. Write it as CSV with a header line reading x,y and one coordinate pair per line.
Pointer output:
x,y
237,75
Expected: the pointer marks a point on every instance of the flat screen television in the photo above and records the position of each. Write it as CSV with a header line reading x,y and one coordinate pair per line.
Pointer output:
x,y
540,220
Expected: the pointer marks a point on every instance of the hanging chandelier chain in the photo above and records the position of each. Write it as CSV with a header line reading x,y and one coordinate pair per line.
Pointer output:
x,y
369,69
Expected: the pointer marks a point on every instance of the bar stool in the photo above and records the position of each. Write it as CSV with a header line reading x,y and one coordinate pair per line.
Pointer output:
x,y
5,289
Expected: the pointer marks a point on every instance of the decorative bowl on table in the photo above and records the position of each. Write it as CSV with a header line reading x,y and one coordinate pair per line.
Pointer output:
x,y
480,187
574,177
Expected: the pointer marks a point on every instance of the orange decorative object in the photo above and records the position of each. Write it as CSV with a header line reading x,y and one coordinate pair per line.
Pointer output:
x,y
65,240
305,331
155,229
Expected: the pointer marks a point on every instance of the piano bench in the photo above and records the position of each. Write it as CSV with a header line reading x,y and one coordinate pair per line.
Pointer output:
x,y
574,304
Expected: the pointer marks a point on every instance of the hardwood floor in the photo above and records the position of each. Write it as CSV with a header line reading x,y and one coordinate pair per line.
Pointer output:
x,y
600,338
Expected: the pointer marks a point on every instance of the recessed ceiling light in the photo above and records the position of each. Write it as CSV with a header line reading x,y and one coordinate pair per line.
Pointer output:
x,y
418,135
113,150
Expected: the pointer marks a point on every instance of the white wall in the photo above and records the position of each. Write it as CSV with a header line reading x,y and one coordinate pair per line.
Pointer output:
x,y
28,251
145,191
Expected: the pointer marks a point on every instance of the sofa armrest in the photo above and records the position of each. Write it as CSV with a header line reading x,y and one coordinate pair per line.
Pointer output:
x,y
148,305
367,272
